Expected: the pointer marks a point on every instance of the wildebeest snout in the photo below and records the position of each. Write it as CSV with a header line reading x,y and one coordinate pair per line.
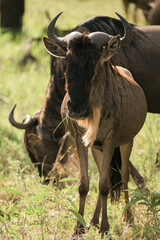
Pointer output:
x,y
77,110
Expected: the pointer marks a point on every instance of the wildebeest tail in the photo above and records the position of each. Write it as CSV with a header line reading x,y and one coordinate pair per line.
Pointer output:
x,y
116,182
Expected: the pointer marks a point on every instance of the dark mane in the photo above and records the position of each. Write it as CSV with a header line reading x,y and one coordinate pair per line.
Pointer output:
x,y
114,26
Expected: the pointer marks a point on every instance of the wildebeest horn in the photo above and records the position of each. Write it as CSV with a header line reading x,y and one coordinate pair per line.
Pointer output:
x,y
28,123
50,30
61,40
101,38
128,33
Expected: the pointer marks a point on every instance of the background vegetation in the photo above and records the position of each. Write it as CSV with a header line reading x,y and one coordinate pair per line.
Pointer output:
x,y
28,209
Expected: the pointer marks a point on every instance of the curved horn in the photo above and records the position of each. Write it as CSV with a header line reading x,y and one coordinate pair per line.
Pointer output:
x,y
101,38
51,33
25,125
128,33
61,40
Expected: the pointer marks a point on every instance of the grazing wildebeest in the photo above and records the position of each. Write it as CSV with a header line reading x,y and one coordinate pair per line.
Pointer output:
x,y
142,4
106,108
43,131
154,13
141,57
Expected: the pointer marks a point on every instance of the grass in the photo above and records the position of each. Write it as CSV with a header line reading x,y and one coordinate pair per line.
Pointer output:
x,y
28,209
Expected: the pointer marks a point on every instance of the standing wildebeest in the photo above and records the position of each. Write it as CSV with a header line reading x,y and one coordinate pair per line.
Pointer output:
x,y
154,13
106,108
142,4
141,57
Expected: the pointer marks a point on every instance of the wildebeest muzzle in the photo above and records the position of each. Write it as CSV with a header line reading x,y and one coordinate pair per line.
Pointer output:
x,y
78,110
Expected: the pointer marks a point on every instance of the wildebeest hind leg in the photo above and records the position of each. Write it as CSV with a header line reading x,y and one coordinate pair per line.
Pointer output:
x,y
125,155
138,179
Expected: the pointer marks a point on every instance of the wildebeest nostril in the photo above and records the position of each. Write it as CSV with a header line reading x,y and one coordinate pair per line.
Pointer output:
x,y
77,110
76,106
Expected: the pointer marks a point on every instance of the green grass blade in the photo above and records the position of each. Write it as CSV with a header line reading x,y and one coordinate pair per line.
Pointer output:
x,y
73,204
10,191
68,179
39,196
2,219
13,233
79,217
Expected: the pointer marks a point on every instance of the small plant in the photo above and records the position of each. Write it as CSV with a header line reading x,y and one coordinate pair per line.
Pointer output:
x,y
152,203
6,217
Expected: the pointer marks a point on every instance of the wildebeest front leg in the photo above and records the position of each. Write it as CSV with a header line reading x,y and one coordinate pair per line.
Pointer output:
x,y
98,156
125,155
104,185
84,181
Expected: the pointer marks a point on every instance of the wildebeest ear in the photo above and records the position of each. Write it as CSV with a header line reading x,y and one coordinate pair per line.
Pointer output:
x,y
114,44
34,138
54,48
110,49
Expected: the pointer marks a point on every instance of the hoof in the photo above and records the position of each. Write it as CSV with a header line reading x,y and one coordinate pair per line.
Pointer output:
x,y
103,234
78,230
94,223
129,219
104,228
